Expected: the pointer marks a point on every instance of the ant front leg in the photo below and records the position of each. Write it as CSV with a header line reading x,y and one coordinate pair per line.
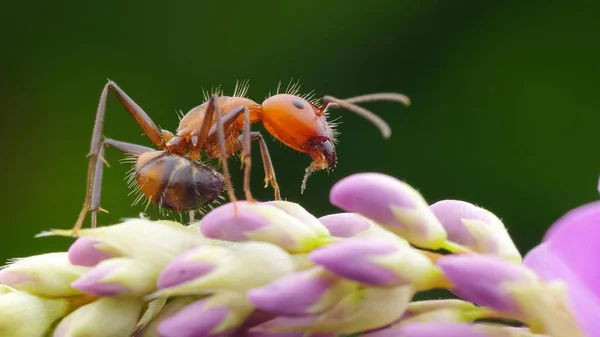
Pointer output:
x,y
270,178
96,148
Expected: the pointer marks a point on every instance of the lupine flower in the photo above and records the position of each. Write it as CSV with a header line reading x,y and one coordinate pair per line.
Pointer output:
x,y
475,228
306,292
105,317
24,315
48,275
448,310
570,254
275,270
379,263
266,223
210,269
430,329
347,225
218,315
88,252
396,205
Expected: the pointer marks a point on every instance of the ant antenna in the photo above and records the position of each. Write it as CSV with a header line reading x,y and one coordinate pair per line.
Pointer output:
x,y
348,104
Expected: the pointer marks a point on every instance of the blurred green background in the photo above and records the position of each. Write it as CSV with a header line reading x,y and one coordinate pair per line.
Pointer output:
x,y
504,113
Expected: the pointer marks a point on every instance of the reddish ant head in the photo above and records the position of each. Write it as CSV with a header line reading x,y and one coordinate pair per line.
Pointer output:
x,y
301,125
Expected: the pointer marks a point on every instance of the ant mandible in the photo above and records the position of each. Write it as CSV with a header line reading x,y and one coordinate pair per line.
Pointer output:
x,y
175,177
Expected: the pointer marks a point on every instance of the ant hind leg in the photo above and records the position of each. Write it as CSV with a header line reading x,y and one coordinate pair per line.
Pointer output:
x,y
96,151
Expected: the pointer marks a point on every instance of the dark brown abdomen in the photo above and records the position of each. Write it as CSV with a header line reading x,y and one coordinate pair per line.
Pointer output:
x,y
176,182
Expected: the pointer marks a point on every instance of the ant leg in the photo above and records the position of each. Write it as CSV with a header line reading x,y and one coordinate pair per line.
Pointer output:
x,y
227,122
247,161
222,154
267,164
270,178
129,148
142,119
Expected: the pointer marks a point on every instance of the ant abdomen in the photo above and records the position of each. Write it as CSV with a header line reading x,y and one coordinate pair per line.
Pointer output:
x,y
175,181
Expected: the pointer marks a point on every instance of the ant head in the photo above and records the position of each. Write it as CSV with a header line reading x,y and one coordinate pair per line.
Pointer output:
x,y
301,125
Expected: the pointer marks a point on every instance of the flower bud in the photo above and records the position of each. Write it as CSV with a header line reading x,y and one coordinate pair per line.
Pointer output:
x,y
143,240
173,307
240,268
303,215
105,317
347,225
262,222
361,310
88,252
119,276
218,315
263,333
378,263
484,280
48,275
442,329
392,203
26,315
475,228
308,292
442,311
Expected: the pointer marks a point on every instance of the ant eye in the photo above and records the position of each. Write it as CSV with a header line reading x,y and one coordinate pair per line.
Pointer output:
x,y
297,104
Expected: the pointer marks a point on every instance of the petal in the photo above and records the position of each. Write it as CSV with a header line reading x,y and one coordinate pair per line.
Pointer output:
x,y
584,304
574,238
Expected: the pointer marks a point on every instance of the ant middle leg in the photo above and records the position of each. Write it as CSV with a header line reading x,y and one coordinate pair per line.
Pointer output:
x,y
222,129
145,122
270,178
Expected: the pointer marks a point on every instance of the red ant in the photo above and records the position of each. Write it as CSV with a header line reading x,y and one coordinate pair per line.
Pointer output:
x,y
175,177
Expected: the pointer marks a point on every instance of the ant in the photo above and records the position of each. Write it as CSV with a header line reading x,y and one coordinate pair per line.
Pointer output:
x,y
176,178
